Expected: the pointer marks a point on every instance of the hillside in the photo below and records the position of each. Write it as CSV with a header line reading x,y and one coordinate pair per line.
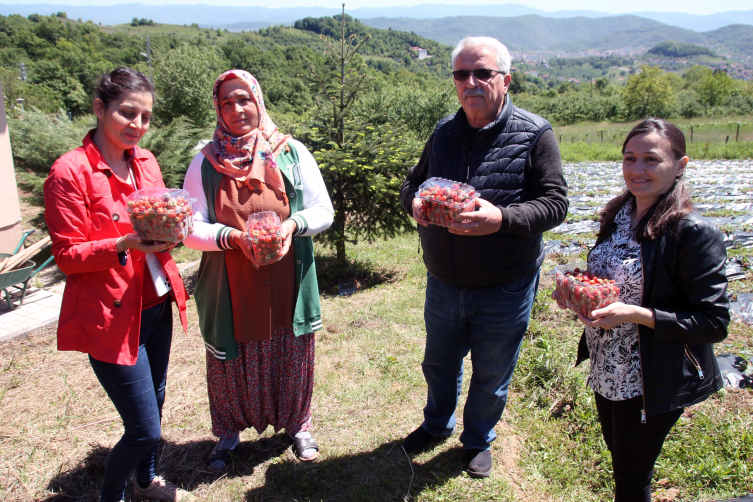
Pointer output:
x,y
534,32
254,17
530,32
672,49
635,38
739,36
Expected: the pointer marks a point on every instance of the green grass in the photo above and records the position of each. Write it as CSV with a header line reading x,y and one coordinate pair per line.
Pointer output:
x,y
713,138
582,151
702,459
169,29
58,425
182,254
712,129
574,218
732,228
720,151
724,213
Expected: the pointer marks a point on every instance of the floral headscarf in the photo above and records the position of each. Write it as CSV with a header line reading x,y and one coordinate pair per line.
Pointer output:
x,y
249,159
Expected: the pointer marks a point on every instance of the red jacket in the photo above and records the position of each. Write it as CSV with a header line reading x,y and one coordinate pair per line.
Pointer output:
x,y
85,211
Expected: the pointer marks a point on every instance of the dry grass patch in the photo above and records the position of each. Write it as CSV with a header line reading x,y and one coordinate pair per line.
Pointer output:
x,y
57,425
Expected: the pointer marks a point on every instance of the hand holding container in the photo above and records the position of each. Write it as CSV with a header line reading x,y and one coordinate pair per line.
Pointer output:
x,y
443,200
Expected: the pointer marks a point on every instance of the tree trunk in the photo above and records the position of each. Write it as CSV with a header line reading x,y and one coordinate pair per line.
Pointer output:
x,y
338,225
340,256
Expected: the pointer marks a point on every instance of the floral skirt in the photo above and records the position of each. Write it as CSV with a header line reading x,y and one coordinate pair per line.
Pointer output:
x,y
270,383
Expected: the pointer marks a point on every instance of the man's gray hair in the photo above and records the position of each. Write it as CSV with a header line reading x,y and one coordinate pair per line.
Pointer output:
x,y
503,56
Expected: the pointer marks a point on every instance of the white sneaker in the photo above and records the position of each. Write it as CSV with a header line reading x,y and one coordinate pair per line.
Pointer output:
x,y
160,489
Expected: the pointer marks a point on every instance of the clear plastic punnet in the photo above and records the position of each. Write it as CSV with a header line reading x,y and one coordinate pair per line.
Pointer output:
x,y
584,292
161,214
265,234
443,200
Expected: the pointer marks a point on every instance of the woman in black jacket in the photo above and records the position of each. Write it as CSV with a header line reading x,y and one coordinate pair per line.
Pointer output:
x,y
651,353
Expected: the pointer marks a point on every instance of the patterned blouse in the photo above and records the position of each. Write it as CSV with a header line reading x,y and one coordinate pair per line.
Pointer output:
x,y
615,362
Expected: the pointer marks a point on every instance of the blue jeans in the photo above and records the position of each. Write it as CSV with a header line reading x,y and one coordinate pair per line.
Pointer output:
x,y
138,392
490,323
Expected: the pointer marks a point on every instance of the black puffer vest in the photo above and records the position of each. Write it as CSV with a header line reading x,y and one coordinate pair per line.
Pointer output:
x,y
495,165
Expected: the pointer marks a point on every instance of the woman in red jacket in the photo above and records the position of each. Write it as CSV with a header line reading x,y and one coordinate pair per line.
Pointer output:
x,y
116,307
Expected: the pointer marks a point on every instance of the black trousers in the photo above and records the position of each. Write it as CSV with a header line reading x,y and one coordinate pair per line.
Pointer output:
x,y
635,446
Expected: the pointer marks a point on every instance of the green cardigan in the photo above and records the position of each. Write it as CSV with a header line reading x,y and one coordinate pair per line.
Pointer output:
x,y
212,290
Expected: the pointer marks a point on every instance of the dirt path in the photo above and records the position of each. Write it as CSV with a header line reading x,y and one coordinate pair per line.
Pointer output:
x,y
508,448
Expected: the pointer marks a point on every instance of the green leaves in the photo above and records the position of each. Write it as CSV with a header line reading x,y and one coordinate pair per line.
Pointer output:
x,y
363,158
173,146
183,78
37,140
649,94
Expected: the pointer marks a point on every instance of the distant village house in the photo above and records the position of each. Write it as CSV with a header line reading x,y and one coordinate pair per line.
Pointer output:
x,y
422,53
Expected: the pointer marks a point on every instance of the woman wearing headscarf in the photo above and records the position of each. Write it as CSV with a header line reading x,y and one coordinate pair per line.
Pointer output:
x,y
257,321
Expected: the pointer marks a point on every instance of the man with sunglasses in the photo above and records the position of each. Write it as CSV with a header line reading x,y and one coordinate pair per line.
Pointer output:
x,y
483,271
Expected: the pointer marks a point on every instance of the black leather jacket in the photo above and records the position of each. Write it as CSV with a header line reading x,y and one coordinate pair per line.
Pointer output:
x,y
685,284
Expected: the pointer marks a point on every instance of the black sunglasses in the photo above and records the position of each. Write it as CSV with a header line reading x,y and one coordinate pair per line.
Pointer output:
x,y
480,74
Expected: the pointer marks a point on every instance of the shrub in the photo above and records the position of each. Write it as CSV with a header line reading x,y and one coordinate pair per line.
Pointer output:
x,y
183,78
649,94
420,108
688,105
174,147
572,107
38,139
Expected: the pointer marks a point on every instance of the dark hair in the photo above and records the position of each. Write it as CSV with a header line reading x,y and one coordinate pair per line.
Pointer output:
x,y
121,80
670,208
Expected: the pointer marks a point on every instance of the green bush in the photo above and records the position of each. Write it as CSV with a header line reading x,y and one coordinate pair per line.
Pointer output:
x,y
419,109
688,105
38,139
572,107
649,94
183,78
173,146
34,95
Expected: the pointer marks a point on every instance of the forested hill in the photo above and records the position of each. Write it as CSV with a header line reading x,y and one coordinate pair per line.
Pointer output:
x,y
382,42
534,32
61,59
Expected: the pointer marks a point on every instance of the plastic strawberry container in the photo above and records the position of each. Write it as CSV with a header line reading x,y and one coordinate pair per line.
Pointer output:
x,y
584,292
161,214
442,200
265,233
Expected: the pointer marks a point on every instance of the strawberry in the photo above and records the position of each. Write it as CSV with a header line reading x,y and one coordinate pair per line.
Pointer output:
x,y
443,200
265,234
160,214
584,292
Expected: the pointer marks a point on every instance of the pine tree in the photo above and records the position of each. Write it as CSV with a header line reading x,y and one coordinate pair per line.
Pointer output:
x,y
362,157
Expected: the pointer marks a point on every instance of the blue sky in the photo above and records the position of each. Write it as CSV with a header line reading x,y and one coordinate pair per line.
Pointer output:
x,y
686,6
